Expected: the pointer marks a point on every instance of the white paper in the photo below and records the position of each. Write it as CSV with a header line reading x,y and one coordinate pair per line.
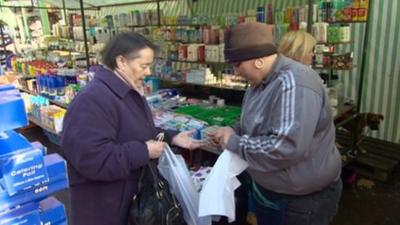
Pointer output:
x,y
217,196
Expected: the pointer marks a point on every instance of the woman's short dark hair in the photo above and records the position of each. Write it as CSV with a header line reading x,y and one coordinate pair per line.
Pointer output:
x,y
125,44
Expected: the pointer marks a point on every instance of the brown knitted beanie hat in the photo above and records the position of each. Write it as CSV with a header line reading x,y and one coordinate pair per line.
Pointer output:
x,y
248,41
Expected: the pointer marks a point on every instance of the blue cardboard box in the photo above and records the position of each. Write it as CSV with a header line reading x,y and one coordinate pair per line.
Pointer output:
x,y
52,211
61,223
24,170
58,180
6,87
38,145
27,214
47,211
21,165
11,143
12,109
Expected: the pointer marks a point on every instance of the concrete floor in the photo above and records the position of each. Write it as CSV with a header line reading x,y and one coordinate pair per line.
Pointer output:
x,y
379,205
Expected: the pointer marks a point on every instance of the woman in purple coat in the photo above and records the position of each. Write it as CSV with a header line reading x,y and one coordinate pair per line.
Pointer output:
x,y
109,134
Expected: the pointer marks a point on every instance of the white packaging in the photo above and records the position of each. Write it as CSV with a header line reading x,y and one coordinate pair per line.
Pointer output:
x,y
320,32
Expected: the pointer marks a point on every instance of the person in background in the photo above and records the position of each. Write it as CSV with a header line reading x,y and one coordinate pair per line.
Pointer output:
x,y
109,134
298,45
286,132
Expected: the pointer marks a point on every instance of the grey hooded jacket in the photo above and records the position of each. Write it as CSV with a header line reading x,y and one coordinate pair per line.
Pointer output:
x,y
286,131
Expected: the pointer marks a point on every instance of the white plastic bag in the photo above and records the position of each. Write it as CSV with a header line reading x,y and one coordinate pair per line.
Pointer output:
x,y
217,196
173,168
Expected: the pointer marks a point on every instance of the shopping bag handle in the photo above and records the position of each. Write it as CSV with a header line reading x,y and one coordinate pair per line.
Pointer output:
x,y
170,155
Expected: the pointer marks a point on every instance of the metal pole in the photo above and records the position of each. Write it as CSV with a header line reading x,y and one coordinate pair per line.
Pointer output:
x,y
158,13
65,13
130,3
84,35
310,15
2,40
364,56
41,7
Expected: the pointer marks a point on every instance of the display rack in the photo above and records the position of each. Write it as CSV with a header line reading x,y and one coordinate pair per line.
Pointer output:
x,y
365,43
41,125
60,104
350,113
199,62
334,68
345,111
220,86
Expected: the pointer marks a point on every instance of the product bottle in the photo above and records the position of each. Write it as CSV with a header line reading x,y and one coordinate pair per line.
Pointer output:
x,y
52,87
261,14
60,85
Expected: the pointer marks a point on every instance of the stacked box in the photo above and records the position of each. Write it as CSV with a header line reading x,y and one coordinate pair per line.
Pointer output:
x,y
27,175
12,109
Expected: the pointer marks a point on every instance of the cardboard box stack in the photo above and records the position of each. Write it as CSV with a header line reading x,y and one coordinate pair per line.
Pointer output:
x,y
27,175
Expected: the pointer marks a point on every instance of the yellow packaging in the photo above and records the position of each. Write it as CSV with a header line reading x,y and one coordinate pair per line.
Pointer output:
x,y
363,10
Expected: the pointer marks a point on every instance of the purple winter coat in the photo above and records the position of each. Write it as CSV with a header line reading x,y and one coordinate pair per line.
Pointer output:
x,y
104,135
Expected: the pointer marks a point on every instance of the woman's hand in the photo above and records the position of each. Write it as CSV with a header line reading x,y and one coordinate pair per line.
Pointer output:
x,y
156,148
185,140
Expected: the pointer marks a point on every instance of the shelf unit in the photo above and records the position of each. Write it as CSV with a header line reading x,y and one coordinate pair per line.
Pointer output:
x,y
334,68
335,43
41,125
345,22
331,68
220,86
198,62
310,2
60,104
170,25
353,111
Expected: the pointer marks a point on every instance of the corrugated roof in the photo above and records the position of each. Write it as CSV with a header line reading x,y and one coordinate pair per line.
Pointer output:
x,y
76,4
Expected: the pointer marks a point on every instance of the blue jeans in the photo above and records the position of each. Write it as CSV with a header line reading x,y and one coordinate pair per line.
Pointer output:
x,y
317,208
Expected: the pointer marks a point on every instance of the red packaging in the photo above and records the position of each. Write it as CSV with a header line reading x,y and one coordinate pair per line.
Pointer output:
x,y
362,14
202,53
354,14
206,35
214,36
182,52
294,26
347,14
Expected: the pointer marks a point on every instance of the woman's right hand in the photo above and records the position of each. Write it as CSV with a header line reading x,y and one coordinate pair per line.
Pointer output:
x,y
156,148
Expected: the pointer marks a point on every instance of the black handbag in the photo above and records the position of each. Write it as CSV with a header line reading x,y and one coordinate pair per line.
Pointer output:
x,y
154,204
